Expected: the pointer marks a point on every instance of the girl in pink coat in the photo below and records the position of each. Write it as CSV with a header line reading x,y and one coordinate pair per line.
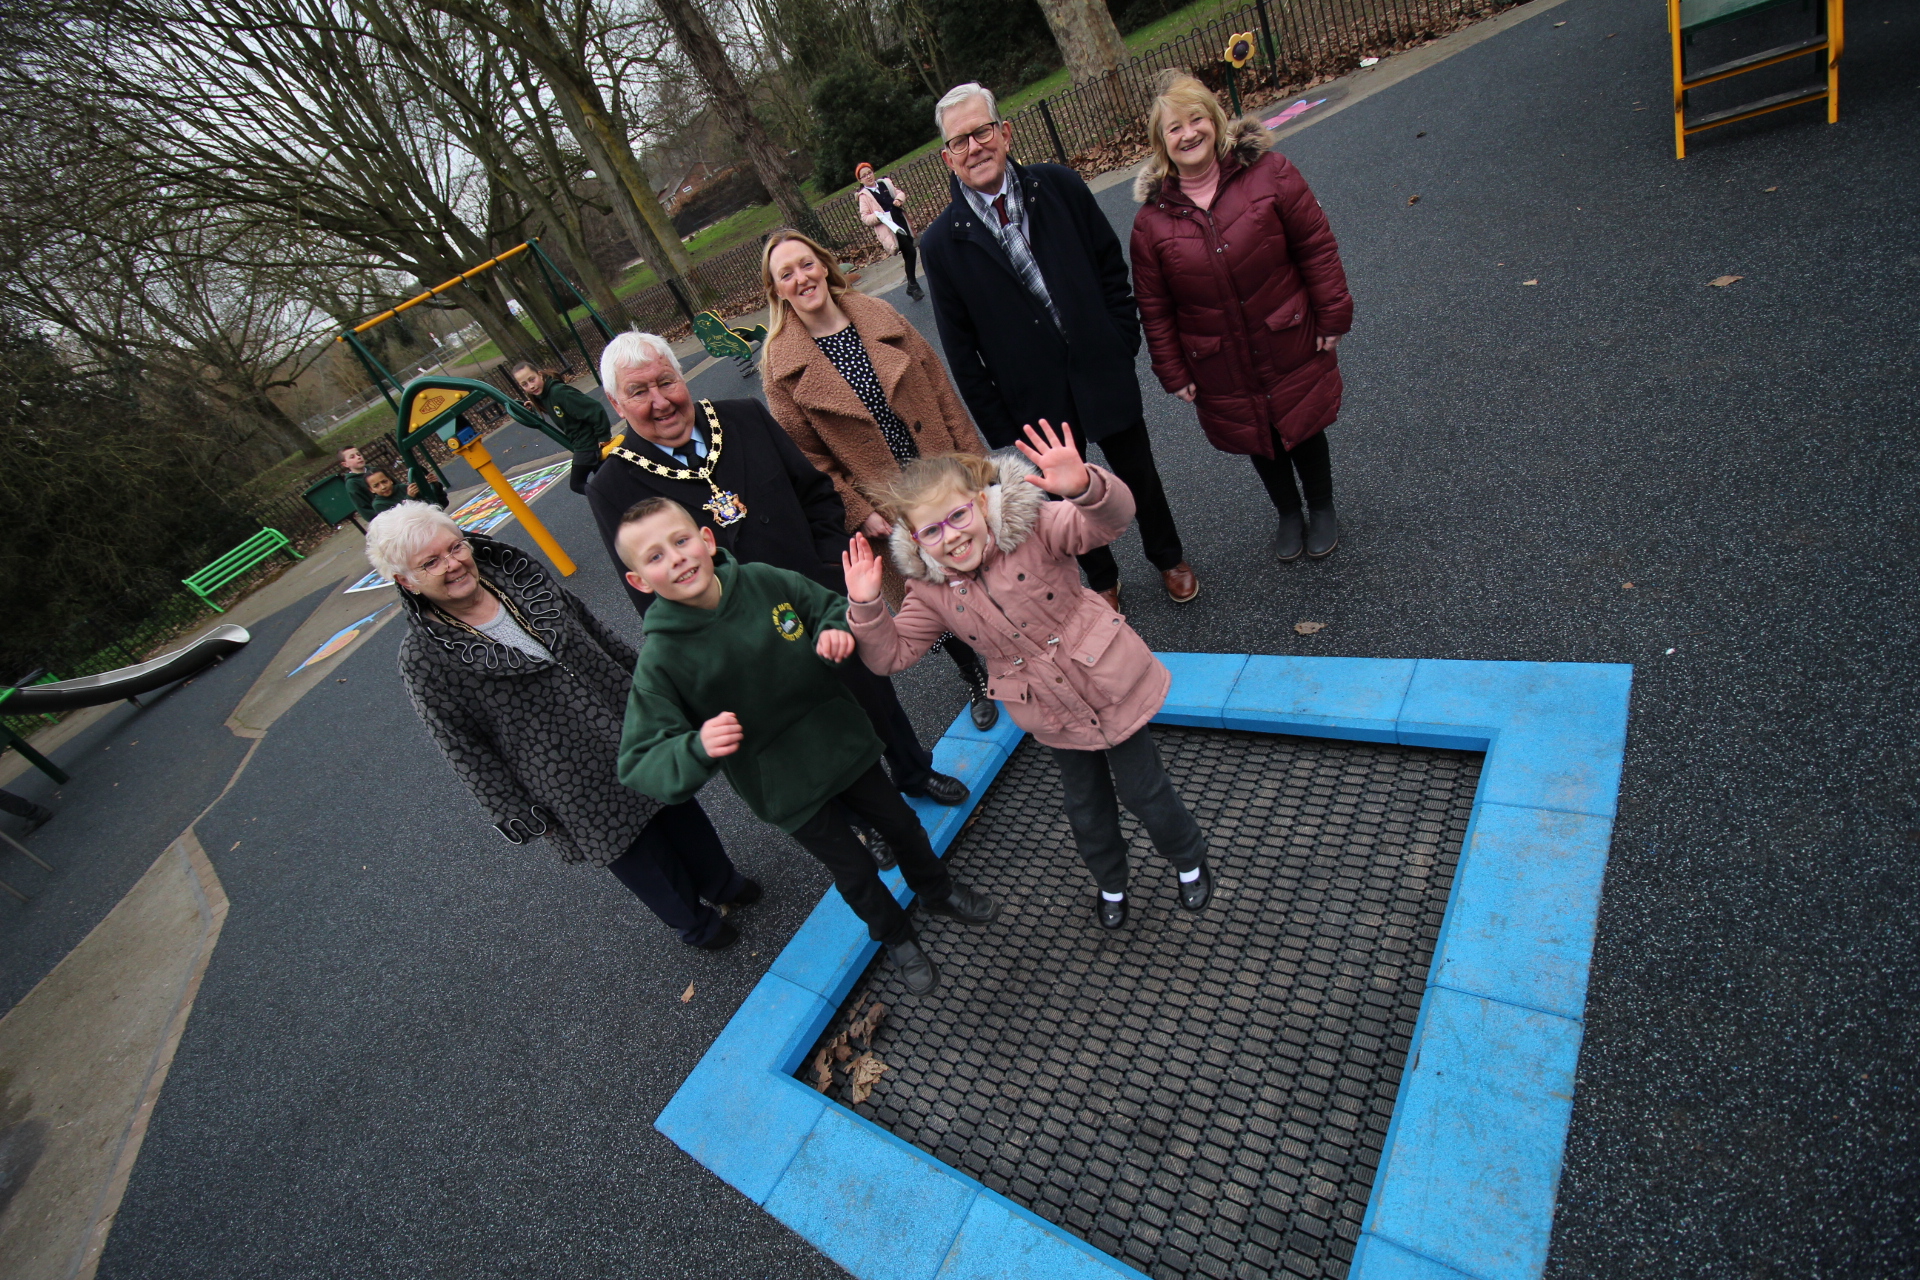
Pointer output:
x,y
988,558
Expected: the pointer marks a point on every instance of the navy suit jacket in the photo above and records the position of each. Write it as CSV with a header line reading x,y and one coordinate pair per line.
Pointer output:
x,y
1013,366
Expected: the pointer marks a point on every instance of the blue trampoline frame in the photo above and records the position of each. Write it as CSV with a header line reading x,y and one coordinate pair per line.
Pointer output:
x,y
1472,1156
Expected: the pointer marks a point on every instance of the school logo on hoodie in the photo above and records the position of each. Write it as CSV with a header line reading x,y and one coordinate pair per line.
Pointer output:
x,y
787,622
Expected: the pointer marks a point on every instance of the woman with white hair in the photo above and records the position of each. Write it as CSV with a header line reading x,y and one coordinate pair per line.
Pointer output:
x,y
525,690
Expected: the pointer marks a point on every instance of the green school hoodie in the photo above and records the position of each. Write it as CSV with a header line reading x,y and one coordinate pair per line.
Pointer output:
x,y
806,737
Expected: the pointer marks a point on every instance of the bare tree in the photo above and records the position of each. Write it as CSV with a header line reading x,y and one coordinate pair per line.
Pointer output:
x,y
555,39
1087,36
702,48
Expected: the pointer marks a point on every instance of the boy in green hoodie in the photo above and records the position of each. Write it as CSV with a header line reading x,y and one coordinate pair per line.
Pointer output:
x,y
736,676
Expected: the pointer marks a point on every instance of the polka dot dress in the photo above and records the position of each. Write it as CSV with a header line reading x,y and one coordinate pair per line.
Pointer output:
x,y
849,356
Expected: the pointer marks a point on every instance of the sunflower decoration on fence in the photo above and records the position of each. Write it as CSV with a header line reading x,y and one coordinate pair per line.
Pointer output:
x,y
1239,53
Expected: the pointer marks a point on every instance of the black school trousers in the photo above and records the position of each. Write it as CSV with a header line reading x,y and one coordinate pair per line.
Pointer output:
x,y
828,837
675,861
1097,783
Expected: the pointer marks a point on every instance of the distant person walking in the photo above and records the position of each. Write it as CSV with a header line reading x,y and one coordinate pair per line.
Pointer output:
x,y
581,418
1038,321
883,206
525,690
862,394
1244,300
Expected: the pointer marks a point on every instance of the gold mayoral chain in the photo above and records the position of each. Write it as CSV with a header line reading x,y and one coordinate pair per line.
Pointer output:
x,y
725,507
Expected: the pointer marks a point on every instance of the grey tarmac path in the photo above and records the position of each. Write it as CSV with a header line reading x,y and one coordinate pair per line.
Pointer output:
x,y
417,1050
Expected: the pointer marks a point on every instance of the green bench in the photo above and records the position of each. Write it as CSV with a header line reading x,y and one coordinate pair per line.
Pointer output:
x,y
261,546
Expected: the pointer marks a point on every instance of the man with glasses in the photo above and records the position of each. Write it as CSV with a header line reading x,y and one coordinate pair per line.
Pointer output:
x,y
1036,313
525,690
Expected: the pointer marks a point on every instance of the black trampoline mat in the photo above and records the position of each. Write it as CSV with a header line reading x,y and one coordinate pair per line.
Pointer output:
x,y
1196,1094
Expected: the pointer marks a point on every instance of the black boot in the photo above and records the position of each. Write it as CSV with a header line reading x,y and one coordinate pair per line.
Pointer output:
x,y
986,712
916,970
1323,531
913,291
1287,543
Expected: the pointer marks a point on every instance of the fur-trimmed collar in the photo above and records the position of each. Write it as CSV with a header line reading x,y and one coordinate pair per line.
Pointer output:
x,y
511,572
1013,509
1247,141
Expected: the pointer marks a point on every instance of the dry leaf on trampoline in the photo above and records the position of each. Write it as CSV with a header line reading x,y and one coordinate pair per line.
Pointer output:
x,y
866,1069
1308,628
687,994
1721,282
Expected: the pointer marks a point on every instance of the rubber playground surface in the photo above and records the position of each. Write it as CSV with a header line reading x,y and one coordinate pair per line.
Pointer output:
x,y
419,1051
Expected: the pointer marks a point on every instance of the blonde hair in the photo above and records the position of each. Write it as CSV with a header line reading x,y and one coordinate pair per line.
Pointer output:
x,y
777,307
1179,91
967,473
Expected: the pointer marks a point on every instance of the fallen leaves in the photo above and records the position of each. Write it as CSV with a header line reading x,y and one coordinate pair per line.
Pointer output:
x,y
1721,282
687,995
849,1058
1559,24
1413,199
1309,628
233,846
1529,282
1626,586
1773,188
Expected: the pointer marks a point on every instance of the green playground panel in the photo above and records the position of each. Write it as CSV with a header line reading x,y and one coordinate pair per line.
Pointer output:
x,y
260,547
1695,14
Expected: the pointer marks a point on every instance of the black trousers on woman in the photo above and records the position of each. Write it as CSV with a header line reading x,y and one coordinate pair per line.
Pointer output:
x,y
675,861
1311,460
908,254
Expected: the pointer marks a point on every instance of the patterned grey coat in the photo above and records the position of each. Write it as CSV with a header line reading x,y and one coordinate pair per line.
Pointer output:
x,y
522,732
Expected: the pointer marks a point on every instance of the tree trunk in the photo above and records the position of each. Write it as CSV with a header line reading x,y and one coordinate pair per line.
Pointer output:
x,y
703,49
282,426
1088,40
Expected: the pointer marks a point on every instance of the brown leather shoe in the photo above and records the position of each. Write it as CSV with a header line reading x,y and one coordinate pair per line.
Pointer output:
x,y
1112,596
1182,586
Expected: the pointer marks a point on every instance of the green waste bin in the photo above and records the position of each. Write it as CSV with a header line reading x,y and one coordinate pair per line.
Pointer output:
x,y
330,500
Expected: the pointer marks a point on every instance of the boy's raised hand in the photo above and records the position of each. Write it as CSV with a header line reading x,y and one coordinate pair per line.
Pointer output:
x,y
1063,473
835,645
721,735
862,568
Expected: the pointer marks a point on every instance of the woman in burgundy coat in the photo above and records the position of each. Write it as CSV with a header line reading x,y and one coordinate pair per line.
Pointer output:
x,y
1243,300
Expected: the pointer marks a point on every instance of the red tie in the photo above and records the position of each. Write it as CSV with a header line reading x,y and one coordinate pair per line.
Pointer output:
x,y
1000,208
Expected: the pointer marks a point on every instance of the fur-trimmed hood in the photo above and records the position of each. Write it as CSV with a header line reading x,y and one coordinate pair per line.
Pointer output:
x,y
1013,508
1247,141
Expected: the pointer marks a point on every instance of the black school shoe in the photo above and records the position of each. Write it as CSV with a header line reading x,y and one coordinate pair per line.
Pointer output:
x,y
968,906
940,789
876,844
750,892
1112,915
1195,896
916,970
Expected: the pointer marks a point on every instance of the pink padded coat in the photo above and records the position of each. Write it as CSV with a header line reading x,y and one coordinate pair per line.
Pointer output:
x,y
1068,669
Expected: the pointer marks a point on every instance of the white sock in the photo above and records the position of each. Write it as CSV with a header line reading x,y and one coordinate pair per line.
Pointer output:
x,y
1113,897
1188,877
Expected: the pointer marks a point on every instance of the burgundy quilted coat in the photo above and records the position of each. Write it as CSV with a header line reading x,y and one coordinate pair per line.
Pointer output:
x,y
1232,298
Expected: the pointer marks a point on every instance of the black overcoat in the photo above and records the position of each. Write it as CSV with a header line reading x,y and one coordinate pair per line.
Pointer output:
x,y
1011,362
795,519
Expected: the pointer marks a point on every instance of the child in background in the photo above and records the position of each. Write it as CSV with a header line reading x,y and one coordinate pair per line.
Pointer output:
x,y
987,557
737,676
380,490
